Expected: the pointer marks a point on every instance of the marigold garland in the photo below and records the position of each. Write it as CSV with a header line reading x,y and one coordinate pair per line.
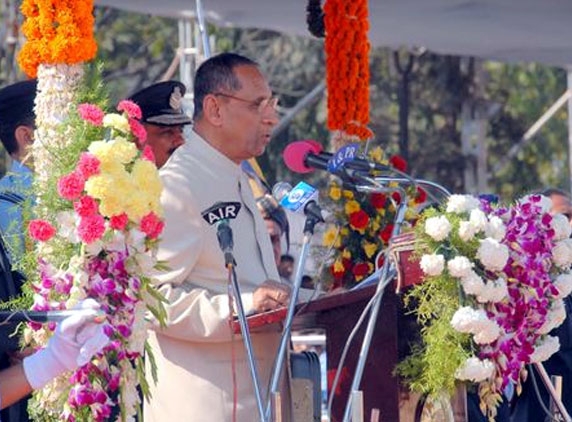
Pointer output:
x,y
347,66
57,32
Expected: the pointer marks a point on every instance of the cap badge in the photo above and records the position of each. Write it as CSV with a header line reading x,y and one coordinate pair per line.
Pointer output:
x,y
176,99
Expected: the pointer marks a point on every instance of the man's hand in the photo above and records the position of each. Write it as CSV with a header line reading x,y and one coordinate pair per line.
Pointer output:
x,y
271,295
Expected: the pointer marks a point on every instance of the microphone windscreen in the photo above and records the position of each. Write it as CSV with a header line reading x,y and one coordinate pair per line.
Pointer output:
x,y
295,154
280,190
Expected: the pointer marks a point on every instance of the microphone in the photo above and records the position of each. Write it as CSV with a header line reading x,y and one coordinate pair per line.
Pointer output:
x,y
18,316
220,213
307,155
300,199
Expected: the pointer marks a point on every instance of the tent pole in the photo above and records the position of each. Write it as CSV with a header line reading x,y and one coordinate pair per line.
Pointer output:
x,y
203,29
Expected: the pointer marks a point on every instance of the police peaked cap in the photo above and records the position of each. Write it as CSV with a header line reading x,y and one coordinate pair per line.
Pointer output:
x,y
162,104
17,102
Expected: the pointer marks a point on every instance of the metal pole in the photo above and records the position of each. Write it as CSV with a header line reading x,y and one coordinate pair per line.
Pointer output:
x,y
555,399
569,82
203,29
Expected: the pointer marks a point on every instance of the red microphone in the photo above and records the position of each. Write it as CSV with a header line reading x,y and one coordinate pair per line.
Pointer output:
x,y
305,156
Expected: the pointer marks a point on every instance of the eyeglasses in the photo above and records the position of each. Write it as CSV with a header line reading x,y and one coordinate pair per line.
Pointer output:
x,y
259,105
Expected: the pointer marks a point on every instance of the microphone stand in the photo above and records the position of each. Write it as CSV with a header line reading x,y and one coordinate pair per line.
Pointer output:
x,y
366,342
548,384
224,235
313,216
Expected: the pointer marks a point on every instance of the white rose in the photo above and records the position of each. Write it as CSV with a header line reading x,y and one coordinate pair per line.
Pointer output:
x,y
495,228
555,317
460,266
478,220
432,265
562,253
493,291
564,285
438,227
67,224
466,231
472,284
476,370
492,254
561,226
462,203
468,320
545,349
488,333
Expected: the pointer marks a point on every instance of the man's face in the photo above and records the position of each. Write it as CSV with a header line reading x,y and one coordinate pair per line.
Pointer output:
x,y
275,233
286,268
249,115
164,140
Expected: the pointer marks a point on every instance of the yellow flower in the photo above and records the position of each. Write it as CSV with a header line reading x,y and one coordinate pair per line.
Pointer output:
x,y
122,150
347,254
117,122
335,192
330,236
338,266
138,205
370,249
344,231
348,194
376,154
145,176
351,207
111,205
100,185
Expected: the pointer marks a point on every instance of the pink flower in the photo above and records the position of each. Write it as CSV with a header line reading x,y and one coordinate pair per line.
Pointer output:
x,y
119,222
71,185
86,206
148,154
91,114
91,228
138,130
133,111
41,230
152,225
88,165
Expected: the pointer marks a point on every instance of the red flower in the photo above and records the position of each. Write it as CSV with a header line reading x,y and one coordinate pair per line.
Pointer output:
x,y
119,222
385,234
133,110
359,220
361,269
91,114
378,200
71,185
396,197
41,230
138,130
398,162
421,196
148,154
152,225
88,165
91,228
86,206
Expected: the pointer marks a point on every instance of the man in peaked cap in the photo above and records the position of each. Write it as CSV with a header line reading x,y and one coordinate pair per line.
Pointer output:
x,y
16,133
163,117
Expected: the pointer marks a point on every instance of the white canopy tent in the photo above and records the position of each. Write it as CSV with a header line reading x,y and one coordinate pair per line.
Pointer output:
x,y
503,30
507,30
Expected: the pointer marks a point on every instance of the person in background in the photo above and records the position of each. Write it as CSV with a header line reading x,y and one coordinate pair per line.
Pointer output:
x,y
76,339
202,370
163,117
286,268
17,124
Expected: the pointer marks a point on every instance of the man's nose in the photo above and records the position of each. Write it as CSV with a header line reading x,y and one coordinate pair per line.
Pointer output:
x,y
270,117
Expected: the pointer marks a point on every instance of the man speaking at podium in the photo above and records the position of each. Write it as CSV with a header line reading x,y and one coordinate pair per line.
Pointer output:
x,y
234,114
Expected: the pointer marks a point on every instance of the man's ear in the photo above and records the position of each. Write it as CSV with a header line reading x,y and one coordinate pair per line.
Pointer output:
x,y
212,111
24,136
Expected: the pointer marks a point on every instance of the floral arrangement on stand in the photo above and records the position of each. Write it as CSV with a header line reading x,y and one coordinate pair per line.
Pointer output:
x,y
360,226
98,239
97,218
495,279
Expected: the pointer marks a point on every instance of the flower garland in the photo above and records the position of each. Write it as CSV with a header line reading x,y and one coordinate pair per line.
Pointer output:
x,y
100,243
347,67
362,227
494,288
57,32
